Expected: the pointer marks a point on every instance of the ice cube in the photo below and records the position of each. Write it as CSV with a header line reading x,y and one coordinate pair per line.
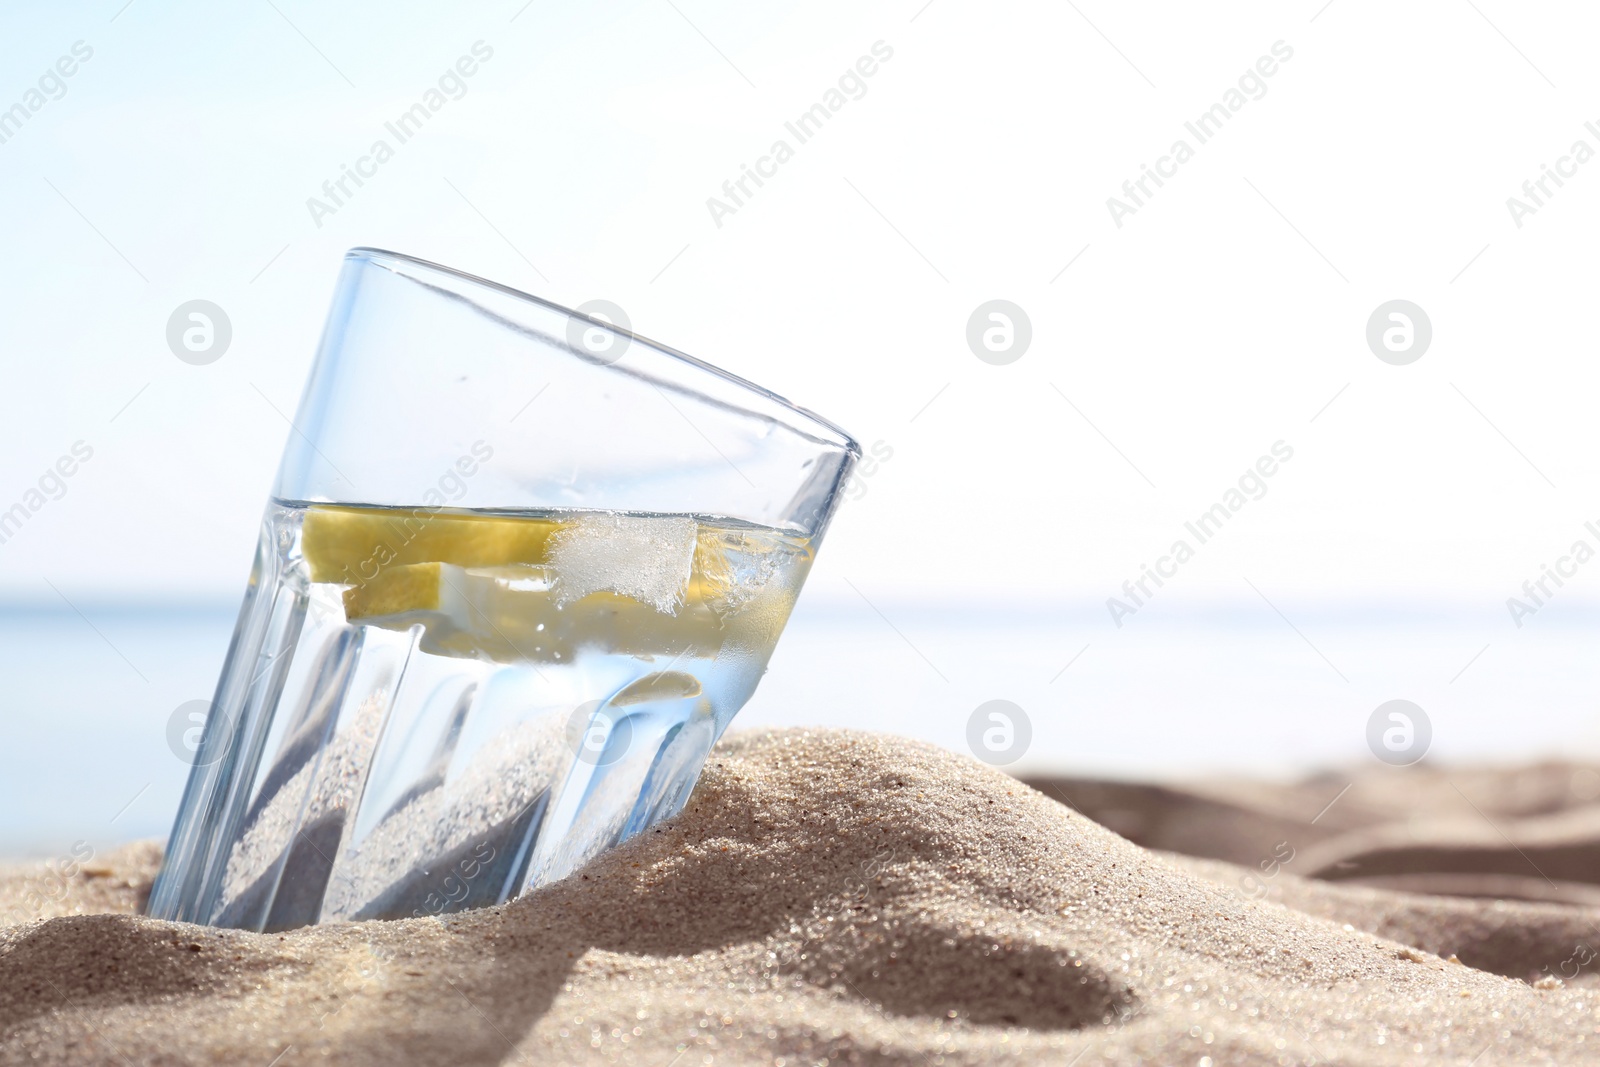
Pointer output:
x,y
646,558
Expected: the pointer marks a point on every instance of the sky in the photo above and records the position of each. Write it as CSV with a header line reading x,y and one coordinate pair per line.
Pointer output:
x,y
1180,335
1221,317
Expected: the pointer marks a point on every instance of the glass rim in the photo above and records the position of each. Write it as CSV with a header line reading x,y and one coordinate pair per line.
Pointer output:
x,y
385,258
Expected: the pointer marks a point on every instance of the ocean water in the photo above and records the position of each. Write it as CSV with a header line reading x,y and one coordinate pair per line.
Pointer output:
x,y
94,724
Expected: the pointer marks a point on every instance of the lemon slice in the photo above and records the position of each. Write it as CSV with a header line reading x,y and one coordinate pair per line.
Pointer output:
x,y
510,613
356,545
409,587
512,588
463,596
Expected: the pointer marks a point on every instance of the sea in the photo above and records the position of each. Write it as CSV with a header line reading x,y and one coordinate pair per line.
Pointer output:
x,y
99,696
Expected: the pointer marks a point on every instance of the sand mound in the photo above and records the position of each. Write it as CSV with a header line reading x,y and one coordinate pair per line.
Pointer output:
x,y
825,895
1525,941
1529,833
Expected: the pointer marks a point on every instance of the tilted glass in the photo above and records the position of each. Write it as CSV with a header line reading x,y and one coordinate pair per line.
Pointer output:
x,y
519,570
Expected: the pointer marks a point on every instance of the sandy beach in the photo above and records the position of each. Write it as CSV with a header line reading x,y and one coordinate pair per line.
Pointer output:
x,y
837,897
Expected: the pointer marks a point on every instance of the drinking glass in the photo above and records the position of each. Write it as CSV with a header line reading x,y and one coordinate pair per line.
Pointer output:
x,y
519,570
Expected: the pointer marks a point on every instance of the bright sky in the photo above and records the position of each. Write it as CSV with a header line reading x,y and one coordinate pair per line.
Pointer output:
x,y
1227,314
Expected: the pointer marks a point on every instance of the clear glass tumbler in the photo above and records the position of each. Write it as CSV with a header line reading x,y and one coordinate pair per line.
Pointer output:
x,y
520,569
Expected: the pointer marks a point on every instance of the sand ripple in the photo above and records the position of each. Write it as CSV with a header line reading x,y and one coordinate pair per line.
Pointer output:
x,y
830,895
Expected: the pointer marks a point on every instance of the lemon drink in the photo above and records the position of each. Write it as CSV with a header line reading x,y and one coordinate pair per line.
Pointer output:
x,y
473,703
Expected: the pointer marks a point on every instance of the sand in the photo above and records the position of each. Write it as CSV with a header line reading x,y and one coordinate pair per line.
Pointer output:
x,y
851,898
